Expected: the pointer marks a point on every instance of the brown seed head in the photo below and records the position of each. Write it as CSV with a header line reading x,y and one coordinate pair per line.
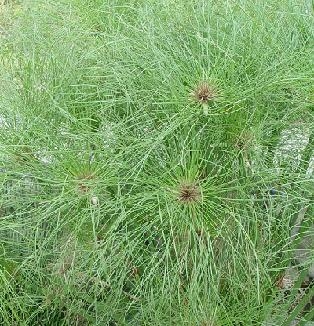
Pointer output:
x,y
83,182
204,93
188,193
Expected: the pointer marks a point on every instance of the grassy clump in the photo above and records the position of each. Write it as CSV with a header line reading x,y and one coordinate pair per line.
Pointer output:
x,y
138,180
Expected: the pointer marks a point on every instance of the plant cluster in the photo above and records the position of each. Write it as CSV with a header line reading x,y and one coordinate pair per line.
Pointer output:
x,y
141,180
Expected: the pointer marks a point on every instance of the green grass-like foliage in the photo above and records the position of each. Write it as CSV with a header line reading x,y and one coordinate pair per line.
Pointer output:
x,y
137,146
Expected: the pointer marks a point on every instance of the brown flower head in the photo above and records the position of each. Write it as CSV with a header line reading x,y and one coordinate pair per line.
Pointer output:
x,y
204,93
188,193
83,182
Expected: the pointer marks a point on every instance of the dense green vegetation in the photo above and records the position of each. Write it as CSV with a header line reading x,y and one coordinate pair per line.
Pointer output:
x,y
140,177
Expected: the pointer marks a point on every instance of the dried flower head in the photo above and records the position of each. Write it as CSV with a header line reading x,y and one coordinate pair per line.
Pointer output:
x,y
188,193
204,93
83,182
